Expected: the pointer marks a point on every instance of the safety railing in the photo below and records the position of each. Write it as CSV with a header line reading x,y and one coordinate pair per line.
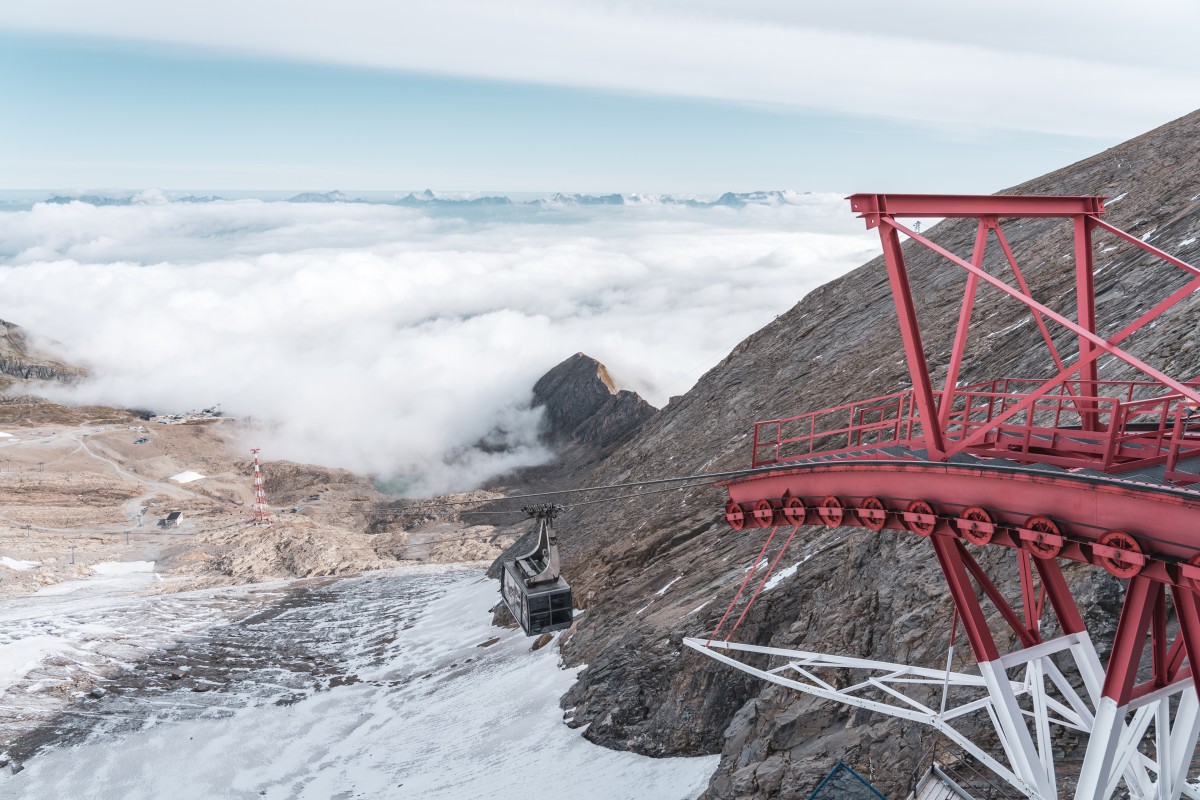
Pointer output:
x,y
889,419
1113,431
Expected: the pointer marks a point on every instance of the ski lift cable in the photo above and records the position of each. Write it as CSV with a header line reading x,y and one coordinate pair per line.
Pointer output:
x,y
493,535
703,476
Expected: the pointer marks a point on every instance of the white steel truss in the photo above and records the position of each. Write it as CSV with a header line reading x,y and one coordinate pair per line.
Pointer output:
x,y
1022,712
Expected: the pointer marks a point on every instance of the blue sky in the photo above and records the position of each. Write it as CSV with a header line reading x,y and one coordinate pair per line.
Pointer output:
x,y
135,97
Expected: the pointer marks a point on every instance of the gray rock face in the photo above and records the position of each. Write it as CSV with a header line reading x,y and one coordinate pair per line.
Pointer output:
x,y
652,568
583,406
19,360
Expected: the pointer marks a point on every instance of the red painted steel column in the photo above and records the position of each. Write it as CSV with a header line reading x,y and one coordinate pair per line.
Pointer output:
x,y
1085,300
1187,608
1130,641
914,350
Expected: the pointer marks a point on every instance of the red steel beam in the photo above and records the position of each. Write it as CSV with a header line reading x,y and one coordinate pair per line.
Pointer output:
x,y
1187,608
964,321
949,555
1061,600
1027,635
914,350
1130,641
873,206
1085,300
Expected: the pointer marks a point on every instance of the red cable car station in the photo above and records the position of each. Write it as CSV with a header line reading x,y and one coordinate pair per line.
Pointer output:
x,y
1068,467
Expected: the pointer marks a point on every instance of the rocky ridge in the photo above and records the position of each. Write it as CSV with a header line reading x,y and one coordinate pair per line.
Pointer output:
x,y
22,361
586,418
652,569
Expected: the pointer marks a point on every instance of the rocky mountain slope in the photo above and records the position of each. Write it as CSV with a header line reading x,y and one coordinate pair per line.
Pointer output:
x,y
651,569
585,419
20,361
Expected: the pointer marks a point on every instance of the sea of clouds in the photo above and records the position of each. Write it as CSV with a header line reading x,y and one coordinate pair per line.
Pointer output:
x,y
389,340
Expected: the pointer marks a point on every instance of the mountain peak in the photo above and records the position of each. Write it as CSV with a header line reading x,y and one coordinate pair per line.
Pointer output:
x,y
582,404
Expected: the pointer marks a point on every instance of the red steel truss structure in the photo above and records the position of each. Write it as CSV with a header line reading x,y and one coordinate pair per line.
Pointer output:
x,y
1068,467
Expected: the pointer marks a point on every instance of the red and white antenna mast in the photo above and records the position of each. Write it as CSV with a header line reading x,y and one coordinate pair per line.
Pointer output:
x,y
261,515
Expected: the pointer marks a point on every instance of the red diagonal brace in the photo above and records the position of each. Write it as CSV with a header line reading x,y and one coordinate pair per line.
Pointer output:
x,y
1187,608
1130,640
949,552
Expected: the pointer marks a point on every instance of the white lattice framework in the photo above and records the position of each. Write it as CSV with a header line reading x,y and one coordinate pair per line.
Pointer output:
x,y
1024,696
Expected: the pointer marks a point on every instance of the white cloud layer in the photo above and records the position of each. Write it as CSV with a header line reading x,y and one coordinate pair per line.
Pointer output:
x,y
1100,69
389,340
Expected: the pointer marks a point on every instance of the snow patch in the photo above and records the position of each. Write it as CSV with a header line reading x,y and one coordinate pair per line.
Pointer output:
x,y
186,477
13,563
697,608
782,576
18,658
122,567
1187,241
1116,199
1010,328
663,590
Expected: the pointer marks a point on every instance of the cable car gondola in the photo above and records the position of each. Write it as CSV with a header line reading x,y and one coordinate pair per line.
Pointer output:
x,y
531,586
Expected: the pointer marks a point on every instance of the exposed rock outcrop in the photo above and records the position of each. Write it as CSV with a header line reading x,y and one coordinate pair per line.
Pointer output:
x,y
656,567
586,419
583,405
18,359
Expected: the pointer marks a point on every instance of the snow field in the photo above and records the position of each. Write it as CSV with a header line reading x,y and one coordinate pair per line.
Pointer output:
x,y
433,714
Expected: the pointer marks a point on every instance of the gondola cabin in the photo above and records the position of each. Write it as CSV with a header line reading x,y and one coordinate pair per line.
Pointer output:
x,y
539,608
531,586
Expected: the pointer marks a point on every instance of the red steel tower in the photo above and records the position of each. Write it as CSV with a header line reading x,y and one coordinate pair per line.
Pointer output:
x,y
261,515
1070,467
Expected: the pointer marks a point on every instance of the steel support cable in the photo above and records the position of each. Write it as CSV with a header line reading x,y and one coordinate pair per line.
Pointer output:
x,y
451,538
702,476
619,497
762,583
742,588
950,652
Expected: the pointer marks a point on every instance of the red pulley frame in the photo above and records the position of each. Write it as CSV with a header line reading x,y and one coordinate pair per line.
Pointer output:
x,y
914,518
794,511
1119,554
1042,537
735,515
831,511
976,525
763,513
872,513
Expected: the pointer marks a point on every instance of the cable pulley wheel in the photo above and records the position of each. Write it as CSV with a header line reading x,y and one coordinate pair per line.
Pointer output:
x,y
1047,540
1127,561
832,512
735,515
919,518
794,511
872,513
764,513
976,525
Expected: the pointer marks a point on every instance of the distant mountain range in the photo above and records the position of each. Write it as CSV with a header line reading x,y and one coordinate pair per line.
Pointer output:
x,y
428,198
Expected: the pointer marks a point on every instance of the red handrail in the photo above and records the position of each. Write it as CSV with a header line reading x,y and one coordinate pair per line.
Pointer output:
x,y
1109,431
